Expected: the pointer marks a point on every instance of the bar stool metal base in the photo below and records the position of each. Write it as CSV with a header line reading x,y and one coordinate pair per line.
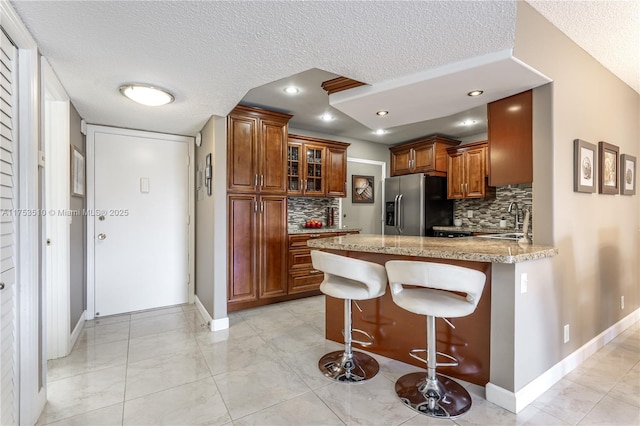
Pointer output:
x,y
341,367
443,398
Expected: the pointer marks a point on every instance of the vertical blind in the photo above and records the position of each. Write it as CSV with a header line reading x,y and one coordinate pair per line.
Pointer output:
x,y
8,189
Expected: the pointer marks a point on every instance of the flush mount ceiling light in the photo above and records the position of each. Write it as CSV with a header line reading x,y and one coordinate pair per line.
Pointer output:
x,y
291,90
380,132
382,113
469,122
146,94
475,93
326,117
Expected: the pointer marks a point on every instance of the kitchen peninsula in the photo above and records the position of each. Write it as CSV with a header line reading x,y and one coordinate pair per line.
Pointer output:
x,y
496,346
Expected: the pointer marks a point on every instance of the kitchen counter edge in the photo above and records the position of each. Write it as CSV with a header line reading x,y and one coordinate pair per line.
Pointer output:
x,y
293,231
467,248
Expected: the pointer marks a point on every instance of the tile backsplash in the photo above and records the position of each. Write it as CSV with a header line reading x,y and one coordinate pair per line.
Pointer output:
x,y
302,209
488,212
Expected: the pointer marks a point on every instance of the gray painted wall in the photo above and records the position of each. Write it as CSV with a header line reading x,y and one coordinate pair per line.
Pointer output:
x,y
78,230
211,220
597,235
204,222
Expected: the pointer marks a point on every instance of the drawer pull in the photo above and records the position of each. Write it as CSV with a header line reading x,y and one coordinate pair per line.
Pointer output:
x,y
314,235
315,271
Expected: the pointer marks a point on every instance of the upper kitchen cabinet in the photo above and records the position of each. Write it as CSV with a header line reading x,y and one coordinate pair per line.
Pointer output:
x,y
256,151
467,172
511,140
427,155
316,167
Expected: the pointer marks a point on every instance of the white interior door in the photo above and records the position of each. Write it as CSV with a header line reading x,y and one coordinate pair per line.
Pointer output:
x,y
141,238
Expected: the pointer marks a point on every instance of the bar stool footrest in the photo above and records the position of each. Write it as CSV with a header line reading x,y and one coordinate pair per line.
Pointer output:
x,y
413,353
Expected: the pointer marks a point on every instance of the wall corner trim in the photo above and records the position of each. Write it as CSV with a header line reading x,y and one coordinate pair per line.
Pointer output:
x,y
517,401
215,324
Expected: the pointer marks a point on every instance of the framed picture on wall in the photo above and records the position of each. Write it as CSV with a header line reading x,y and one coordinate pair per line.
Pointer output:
x,y
584,166
362,189
77,172
608,163
627,174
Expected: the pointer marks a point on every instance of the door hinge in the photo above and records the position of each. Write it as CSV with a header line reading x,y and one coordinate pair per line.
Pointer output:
x,y
188,279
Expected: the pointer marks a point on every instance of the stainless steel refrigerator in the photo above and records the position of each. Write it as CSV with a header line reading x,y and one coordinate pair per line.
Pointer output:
x,y
415,203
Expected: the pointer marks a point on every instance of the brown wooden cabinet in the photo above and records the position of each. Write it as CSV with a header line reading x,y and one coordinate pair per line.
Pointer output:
x,y
256,206
256,151
258,247
316,167
302,276
467,172
423,156
510,132
336,182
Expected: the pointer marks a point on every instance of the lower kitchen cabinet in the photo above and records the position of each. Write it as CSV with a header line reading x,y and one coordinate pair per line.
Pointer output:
x,y
257,239
302,276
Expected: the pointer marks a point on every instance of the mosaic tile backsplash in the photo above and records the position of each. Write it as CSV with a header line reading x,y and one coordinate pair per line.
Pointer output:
x,y
488,212
302,209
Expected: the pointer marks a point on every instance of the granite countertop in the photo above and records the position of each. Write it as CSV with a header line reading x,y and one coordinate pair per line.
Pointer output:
x,y
466,248
475,229
323,230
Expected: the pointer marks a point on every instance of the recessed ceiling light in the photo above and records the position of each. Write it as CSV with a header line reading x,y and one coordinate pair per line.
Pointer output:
x,y
380,132
382,113
146,94
469,122
326,117
292,90
475,93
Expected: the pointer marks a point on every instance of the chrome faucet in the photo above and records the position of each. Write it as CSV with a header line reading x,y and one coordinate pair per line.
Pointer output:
x,y
510,209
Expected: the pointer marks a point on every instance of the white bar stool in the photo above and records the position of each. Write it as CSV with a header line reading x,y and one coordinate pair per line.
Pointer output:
x,y
433,394
349,279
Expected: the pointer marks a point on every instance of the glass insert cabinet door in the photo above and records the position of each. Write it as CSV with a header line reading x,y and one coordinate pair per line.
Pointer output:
x,y
314,169
293,168
305,169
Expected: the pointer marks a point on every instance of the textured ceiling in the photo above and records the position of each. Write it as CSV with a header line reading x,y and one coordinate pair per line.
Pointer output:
x,y
607,30
211,53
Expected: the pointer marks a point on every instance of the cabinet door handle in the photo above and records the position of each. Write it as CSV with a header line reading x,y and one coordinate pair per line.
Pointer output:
x,y
462,188
255,206
255,180
261,181
261,206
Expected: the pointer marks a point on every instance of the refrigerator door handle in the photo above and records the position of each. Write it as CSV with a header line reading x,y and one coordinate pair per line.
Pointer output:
x,y
400,220
395,213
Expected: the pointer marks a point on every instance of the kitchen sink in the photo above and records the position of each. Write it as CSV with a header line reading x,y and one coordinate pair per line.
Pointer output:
x,y
514,236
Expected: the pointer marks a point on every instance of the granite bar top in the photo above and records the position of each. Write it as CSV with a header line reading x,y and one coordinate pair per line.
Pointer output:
x,y
466,248
475,229
323,230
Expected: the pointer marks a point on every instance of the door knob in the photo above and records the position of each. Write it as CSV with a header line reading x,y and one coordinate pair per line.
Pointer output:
x,y
102,236
1,286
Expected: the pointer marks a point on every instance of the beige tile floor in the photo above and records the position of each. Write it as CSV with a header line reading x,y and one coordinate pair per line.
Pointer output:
x,y
163,367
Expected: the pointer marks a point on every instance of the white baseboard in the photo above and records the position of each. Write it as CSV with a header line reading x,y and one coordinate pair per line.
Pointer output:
x,y
77,330
220,324
214,325
515,402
